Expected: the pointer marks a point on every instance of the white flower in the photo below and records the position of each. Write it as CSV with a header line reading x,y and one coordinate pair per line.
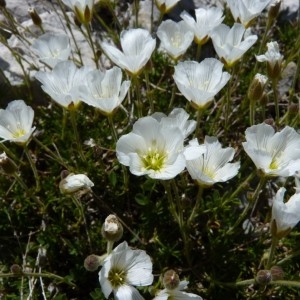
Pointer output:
x,y
175,37
286,215
52,48
273,59
104,90
245,11
231,43
16,122
166,5
209,163
74,183
153,149
178,117
83,9
276,154
206,20
176,294
124,268
63,82
200,82
137,45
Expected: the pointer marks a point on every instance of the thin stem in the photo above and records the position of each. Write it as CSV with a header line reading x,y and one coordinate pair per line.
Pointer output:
x,y
78,204
112,127
198,52
136,12
197,206
33,167
37,275
149,93
275,241
20,181
171,105
252,112
109,247
275,92
139,102
198,130
74,125
254,200
89,34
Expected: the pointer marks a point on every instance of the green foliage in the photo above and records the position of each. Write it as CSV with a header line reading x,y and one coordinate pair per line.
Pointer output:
x,y
209,251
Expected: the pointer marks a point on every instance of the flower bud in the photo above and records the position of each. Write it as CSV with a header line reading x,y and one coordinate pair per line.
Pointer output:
x,y
274,10
2,3
85,16
7,165
263,277
294,109
274,69
256,88
112,229
74,183
276,273
92,262
36,19
171,280
42,257
264,99
16,269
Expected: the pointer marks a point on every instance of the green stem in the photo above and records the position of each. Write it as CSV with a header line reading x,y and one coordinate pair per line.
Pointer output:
x,y
20,181
198,130
253,202
139,102
79,206
149,93
37,275
89,34
109,247
275,241
74,125
252,112
198,52
33,167
112,127
172,97
275,92
197,206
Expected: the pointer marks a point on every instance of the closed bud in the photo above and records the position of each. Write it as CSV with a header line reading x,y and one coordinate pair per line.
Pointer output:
x,y
2,3
276,273
264,99
171,280
92,262
7,165
274,10
256,88
35,17
16,269
42,257
263,277
274,69
294,109
112,229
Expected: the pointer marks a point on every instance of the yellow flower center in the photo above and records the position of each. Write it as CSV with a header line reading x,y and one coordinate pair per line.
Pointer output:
x,y
19,133
176,41
274,164
116,277
154,160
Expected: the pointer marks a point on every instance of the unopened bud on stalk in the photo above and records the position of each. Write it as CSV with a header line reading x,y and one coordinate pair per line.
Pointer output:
x,y
263,277
171,280
256,88
2,3
16,269
294,109
274,10
92,262
36,19
112,229
264,99
276,273
7,165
